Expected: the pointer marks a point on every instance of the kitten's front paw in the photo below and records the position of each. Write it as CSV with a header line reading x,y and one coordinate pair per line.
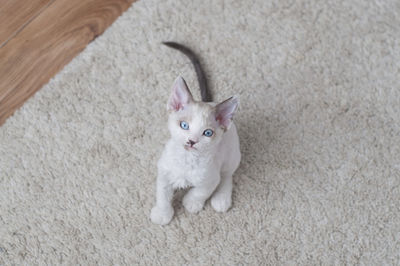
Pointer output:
x,y
192,204
161,216
221,202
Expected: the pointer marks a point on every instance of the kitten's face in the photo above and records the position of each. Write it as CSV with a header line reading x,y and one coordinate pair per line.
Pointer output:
x,y
197,126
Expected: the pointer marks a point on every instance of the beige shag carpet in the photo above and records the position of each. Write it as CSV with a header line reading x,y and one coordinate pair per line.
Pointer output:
x,y
319,123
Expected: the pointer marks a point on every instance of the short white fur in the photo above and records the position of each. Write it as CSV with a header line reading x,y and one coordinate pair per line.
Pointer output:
x,y
206,166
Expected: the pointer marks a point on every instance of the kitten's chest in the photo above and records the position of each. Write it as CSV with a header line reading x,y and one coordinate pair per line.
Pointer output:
x,y
191,171
186,170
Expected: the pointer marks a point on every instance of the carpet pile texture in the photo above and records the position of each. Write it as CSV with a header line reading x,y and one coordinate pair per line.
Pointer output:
x,y
319,124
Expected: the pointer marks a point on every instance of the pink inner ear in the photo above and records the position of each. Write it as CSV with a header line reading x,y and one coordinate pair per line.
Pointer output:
x,y
175,103
225,111
224,118
180,95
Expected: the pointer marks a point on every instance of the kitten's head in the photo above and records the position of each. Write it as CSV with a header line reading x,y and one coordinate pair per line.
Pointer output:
x,y
197,125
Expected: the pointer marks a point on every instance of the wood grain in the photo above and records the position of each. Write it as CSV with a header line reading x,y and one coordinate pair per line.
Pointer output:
x,y
16,14
46,44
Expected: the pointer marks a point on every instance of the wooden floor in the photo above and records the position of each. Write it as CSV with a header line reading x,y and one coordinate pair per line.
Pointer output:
x,y
38,37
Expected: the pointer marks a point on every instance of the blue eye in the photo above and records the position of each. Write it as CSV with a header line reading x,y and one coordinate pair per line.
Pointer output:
x,y
184,125
208,133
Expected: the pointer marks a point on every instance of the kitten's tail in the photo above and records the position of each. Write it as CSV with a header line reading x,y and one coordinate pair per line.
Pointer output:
x,y
201,77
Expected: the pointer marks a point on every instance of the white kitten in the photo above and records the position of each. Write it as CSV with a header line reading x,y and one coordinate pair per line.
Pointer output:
x,y
203,153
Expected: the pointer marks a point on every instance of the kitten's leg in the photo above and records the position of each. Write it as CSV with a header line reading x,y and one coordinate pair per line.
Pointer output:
x,y
163,211
195,198
222,199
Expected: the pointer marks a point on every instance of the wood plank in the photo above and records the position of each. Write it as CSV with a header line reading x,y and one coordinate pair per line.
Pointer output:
x,y
16,14
50,41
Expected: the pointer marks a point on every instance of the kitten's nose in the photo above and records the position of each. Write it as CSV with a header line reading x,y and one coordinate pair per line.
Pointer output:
x,y
191,142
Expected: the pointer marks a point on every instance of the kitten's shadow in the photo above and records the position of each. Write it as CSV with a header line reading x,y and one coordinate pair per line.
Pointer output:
x,y
268,144
255,138
264,149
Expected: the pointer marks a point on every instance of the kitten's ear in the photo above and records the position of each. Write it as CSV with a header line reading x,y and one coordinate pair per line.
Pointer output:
x,y
224,111
180,95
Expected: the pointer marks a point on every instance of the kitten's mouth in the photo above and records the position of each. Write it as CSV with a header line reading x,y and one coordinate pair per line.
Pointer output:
x,y
189,147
